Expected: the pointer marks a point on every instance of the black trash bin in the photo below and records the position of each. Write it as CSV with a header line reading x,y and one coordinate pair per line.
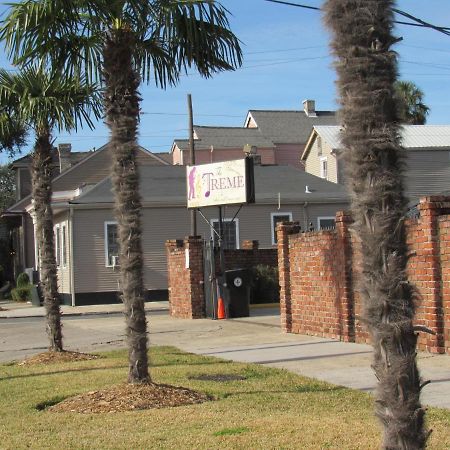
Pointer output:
x,y
238,285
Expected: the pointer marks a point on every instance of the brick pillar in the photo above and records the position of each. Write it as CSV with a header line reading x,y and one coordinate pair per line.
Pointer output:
x,y
428,278
185,278
284,230
347,307
444,226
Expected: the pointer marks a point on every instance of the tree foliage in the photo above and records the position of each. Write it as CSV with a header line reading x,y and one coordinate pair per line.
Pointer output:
x,y
7,188
411,108
367,70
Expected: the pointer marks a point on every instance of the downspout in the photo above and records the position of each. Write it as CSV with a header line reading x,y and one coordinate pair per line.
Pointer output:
x,y
305,216
71,256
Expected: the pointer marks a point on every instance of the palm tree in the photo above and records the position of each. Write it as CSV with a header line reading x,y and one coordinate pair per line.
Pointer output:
x,y
126,40
367,70
411,108
43,101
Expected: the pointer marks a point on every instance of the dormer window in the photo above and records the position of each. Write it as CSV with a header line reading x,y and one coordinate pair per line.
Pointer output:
x,y
324,168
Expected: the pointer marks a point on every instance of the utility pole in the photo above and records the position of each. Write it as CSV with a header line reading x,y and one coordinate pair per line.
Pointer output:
x,y
192,160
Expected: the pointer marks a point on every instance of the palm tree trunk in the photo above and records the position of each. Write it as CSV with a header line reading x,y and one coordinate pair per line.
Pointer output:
x,y
367,70
41,193
122,116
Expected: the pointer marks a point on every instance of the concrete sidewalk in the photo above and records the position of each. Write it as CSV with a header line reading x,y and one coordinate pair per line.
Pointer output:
x,y
256,339
14,310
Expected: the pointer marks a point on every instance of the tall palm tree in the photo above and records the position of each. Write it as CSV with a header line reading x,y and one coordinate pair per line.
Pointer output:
x,y
367,70
411,108
126,40
44,100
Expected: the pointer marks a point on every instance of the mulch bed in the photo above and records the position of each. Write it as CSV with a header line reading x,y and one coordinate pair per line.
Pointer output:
x,y
57,357
130,397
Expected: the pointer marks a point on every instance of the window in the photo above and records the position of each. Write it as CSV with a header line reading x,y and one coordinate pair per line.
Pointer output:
x,y
276,218
319,146
64,245
111,244
230,233
324,223
324,168
58,245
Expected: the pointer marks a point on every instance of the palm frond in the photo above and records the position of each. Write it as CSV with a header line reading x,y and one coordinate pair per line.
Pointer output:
x,y
47,99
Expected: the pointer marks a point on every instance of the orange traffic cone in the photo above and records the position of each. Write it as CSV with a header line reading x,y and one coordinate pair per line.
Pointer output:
x,y
220,309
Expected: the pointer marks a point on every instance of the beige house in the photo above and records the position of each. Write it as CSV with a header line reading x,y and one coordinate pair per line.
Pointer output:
x,y
427,149
73,172
85,228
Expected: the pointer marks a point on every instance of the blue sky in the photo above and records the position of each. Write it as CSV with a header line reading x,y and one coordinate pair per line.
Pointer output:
x,y
286,59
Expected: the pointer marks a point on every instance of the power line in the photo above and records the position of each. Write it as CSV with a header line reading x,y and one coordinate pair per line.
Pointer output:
x,y
418,22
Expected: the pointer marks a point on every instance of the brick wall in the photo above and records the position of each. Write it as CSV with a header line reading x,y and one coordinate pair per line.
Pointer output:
x,y
186,296
319,274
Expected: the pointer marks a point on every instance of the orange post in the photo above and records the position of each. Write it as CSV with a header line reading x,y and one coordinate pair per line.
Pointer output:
x,y
220,309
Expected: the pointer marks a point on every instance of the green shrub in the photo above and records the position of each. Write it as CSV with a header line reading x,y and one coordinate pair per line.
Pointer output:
x,y
21,294
23,280
265,285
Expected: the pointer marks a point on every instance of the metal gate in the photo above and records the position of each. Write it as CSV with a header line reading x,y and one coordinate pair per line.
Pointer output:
x,y
210,280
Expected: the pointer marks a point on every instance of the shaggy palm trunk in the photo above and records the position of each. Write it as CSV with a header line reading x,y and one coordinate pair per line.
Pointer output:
x,y
367,70
41,193
122,116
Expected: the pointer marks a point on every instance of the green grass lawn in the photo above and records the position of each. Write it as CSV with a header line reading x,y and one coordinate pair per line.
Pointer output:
x,y
270,409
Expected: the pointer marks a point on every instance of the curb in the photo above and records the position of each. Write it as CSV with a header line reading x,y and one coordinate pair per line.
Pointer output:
x,y
91,313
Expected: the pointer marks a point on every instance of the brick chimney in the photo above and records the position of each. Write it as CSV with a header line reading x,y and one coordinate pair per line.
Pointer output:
x,y
309,106
64,156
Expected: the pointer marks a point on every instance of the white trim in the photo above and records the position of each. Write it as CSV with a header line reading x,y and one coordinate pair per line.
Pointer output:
x,y
324,218
272,228
105,231
64,253
323,173
227,220
57,245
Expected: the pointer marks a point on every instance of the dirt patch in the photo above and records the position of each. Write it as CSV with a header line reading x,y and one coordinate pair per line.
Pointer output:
x,y
3,309
130,397
218,377
57,357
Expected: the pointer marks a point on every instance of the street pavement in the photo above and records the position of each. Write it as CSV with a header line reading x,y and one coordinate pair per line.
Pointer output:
x,y
257,339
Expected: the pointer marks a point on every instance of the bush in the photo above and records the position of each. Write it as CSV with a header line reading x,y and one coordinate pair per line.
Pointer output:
x,y
23,280
21,294
265,286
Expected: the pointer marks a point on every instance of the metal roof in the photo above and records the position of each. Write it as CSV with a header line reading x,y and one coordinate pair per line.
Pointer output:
x,y
413,136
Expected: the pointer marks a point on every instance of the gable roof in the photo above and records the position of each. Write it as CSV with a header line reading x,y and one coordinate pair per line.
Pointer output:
x,y
289,127
75,158
225,137
414,137
72,178
166,186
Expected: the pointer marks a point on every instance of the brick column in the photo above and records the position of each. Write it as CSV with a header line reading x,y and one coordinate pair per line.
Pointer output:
x,y
444,227
284,230
186,297
428,277
347,313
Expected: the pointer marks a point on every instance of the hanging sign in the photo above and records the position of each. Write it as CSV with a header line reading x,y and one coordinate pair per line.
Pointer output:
x,y
222,183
